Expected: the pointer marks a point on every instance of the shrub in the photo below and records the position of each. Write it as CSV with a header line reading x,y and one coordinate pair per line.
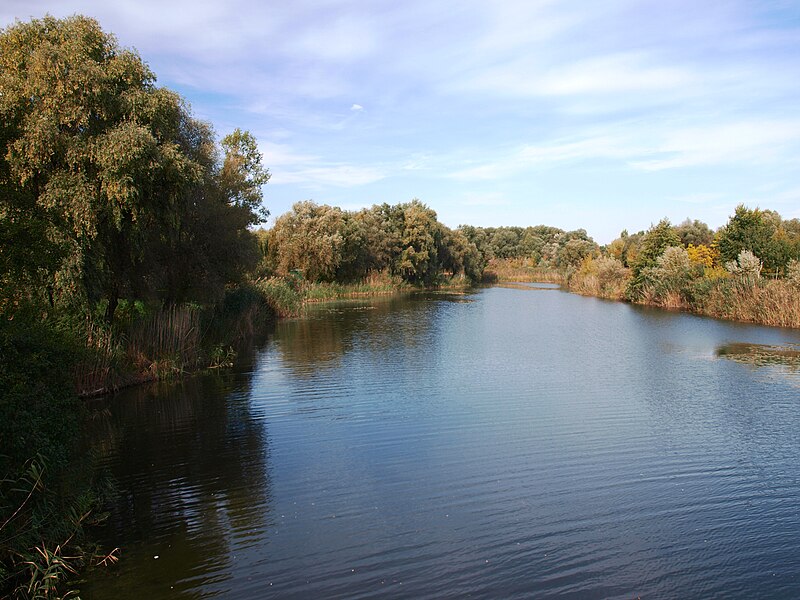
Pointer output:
x,y
45,494
793,272
746,268
281,296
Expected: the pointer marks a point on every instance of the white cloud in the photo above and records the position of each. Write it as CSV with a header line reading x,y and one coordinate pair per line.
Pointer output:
x,y
744,142
614,74
356,107
343,39
658,147
339,175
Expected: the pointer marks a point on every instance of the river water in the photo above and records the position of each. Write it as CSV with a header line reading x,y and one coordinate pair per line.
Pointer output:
x,y
515,442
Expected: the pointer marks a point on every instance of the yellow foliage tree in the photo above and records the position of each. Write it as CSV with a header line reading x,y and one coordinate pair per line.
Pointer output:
x,y
703,255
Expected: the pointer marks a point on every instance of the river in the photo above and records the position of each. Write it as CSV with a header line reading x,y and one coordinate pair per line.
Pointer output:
x,y
515,442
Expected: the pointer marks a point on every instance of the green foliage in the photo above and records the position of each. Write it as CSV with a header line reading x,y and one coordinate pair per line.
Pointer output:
x,y
653,244
418,261
242,174
761,232
45,495
281,296
118,189
309,239
38,407
669,282
327,244
657,239
694,232
574,247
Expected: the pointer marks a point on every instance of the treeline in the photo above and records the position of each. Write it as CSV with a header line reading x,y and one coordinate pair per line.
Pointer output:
x,y
542,246
327,244
125,229
747,270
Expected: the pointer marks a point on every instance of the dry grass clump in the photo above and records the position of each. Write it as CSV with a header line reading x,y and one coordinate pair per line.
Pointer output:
x,y
605,277
774,302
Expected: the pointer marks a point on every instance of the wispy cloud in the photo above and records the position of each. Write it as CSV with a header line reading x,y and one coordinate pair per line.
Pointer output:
x,y
339,175
727,143
658,147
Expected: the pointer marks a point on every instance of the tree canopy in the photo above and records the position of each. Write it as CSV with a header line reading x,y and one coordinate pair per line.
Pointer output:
x,y
109,188
326,243
762,232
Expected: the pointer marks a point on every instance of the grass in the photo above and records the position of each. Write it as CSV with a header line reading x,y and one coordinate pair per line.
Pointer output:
x,y
520,270
768,302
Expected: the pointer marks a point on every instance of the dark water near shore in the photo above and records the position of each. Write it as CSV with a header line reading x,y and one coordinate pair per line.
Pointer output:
x,y
511,443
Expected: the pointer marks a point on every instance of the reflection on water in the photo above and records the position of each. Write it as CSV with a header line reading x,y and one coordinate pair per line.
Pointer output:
x,y
192,470
515,445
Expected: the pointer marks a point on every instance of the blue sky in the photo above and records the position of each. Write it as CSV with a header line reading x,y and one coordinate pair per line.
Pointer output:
x,y
605,115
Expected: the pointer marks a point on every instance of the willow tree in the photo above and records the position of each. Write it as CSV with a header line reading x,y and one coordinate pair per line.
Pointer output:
x,y
101,169
308,239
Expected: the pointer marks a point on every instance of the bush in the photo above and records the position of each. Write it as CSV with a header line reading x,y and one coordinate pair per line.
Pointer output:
x,y
281,296
793,272
605,277
746,268
45,496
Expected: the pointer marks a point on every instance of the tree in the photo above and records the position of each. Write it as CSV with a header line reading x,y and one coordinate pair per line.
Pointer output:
x,y
574,247
418,260
104,172
694,232
309,239
653,244
750,230
242,175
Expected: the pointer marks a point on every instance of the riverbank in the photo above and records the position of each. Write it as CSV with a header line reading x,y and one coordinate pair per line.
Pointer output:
x,y
707,292
167,343
287,296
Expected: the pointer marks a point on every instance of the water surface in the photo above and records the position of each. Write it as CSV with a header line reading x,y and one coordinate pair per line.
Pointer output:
x,y
511,443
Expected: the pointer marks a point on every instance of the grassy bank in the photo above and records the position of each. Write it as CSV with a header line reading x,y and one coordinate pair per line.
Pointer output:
x,y
164,342
709,291
49,491
287,296
520,270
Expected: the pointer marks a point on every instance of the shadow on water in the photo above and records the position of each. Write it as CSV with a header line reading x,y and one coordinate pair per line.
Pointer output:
x,y
191,466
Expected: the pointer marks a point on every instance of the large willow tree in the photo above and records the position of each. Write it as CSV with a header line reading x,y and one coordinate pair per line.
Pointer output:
x,y
108,187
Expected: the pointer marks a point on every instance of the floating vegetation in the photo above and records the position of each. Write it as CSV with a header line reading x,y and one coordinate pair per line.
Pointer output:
x,y
514,285
761,355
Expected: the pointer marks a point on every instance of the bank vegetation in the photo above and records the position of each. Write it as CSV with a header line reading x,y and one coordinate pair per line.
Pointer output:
x,y
748,270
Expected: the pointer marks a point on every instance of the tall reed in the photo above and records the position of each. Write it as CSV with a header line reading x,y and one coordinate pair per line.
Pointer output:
x,y
167,341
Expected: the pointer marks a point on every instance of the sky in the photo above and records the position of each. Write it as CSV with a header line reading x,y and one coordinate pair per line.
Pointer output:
x,y
603,115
